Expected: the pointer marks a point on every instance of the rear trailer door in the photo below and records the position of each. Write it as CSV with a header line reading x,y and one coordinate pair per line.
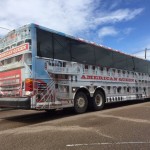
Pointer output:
x,y
11,90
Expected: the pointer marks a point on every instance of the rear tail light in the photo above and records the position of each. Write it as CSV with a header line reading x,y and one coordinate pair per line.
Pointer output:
x,y
29,84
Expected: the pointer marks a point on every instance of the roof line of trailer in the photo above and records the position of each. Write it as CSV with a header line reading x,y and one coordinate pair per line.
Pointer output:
x,y
72,37
82,40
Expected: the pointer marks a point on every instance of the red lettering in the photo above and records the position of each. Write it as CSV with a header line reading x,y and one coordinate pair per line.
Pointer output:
x,y
120,79
89,77
107,78
83,77
100,78
115,79
96,78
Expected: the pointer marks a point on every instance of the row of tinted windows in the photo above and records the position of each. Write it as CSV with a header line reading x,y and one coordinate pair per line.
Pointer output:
x,y
60,47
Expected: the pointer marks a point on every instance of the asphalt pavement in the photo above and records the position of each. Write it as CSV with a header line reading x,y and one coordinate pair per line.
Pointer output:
x,y
119,126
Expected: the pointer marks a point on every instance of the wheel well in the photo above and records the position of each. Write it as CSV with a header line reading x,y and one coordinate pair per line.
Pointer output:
x,y
102,90
84,90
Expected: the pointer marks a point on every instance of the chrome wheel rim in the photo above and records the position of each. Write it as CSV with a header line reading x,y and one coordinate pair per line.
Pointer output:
x,y
81,102
98,100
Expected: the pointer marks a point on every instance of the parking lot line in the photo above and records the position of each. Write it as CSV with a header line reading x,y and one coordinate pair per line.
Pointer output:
x,y
109,143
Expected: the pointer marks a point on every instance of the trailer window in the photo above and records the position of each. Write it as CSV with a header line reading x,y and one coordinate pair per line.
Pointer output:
x,y
130,63
52,45
82,52
119,60
61,47
1,50
103,57
148,67
44,44
28,41
19,43
140,65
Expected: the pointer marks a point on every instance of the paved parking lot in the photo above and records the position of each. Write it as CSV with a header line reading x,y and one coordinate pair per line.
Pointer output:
x,y
118,126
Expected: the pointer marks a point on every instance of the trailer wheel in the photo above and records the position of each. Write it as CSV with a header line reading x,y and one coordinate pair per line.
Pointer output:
x,y
80,103
98,101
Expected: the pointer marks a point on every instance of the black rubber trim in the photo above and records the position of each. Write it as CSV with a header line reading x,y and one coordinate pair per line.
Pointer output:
x,y
20,102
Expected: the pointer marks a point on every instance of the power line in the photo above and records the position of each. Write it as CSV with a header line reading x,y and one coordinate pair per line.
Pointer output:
x,y
144,51
141,50
5,28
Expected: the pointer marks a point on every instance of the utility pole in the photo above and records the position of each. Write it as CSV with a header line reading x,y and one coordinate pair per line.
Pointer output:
x,y
146,49
145,52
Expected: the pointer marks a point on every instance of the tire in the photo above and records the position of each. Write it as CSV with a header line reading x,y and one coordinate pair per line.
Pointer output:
x,y
80,103
98,101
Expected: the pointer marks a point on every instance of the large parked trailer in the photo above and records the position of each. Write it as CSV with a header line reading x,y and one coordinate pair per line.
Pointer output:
x,y
44,69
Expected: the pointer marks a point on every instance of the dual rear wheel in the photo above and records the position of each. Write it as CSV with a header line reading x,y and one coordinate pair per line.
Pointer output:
x,y
81,101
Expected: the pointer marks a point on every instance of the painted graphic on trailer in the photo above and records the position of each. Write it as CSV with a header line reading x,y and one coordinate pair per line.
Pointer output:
x,y
14,51
10,83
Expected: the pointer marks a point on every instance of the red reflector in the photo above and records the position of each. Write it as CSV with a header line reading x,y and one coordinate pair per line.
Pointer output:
x,y
29,84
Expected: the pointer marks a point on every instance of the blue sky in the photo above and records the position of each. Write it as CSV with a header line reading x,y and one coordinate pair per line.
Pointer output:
x,y
120,24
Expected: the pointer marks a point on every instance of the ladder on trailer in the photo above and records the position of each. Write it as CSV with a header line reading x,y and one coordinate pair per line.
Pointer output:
x,y
47,97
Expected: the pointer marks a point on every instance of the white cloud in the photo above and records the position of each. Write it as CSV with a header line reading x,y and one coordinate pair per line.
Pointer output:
x,y
69,16
107,31
114,4
117,16
127,31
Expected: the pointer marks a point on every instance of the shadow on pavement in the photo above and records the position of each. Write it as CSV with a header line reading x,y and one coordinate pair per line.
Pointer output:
x,y
41,116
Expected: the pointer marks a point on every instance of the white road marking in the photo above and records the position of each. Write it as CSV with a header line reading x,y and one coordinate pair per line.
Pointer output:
x,y
109,143
102,134
125,118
